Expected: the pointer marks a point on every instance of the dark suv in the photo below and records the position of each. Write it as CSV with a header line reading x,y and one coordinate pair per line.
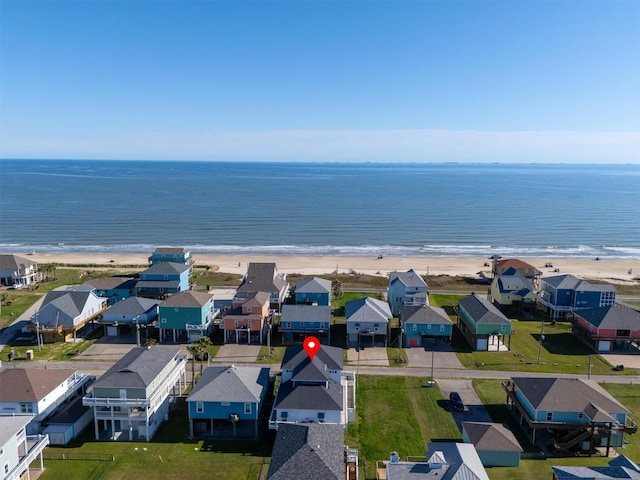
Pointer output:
x,y
456,402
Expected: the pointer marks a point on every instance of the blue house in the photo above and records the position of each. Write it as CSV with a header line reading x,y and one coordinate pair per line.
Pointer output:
x,y
163,279
226,402
299,321
186,316
313,290
580,414
423,324
172,255
113,288
563,294
406,288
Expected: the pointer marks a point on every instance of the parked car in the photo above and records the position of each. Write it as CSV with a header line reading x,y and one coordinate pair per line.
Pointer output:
x,y
456,402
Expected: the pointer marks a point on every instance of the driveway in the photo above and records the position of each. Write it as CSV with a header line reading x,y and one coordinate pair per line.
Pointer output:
x,y
232,353
474,410
371,356
629,359
443,357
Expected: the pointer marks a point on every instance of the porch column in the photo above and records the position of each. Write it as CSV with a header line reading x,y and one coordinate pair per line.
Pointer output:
x,y
113,427
174,335
191,428
95,423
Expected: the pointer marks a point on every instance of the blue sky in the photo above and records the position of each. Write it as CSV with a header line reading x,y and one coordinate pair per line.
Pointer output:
x,y
433,81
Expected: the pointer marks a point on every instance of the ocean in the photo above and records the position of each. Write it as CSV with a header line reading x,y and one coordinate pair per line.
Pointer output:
x,y
523,210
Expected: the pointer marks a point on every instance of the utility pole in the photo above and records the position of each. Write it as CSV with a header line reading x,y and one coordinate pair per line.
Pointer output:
x,y
540,340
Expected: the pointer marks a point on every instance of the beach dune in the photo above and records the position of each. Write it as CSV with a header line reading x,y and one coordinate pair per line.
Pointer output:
x,y
619,270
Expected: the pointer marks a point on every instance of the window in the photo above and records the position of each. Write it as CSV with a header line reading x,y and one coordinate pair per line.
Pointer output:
x,y
442,328
321,416
199,407
580,415
247,408
357,327
284,416
503,327
176,309
164,320
26,408
415,327
224,404
549,416
429,327
249,309
6,469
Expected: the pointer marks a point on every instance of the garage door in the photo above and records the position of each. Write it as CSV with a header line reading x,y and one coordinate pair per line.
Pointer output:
x,y
482,344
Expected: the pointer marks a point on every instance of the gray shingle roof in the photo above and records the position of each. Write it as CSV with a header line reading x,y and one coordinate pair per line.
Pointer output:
x,y
166,268
482,310
424,314
309,397
491,436
313,285
71,302
566,395
187,298
133,306
307,451
10,426
367,310
172,250
409,278
305,313
138,368
295,356
566,281
230,384
619,467
261,277
612,317
30,384
111,283
14,262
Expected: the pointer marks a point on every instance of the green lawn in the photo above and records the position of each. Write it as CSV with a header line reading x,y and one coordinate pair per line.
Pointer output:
x,y
397,413
492,395
171,455
54,351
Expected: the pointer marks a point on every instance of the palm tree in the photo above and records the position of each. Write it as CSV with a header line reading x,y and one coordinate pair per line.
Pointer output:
x,y
194,349
204,343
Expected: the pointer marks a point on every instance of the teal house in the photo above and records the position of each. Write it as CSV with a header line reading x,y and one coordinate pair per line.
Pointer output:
x,y
423,324
483,325
496,445
172,255
227,401
186,316
577,415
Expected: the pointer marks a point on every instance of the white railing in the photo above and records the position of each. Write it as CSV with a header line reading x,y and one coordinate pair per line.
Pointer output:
x,y
91,401
41,441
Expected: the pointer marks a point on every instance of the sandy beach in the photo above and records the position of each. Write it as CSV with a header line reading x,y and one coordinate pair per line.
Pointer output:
x,y
616,269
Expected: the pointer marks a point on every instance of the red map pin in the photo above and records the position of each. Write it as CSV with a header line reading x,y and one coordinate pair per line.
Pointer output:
x,y
311,346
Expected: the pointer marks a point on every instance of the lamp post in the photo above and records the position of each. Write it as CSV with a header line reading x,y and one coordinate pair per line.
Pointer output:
x,y
269,341
400,345
540,340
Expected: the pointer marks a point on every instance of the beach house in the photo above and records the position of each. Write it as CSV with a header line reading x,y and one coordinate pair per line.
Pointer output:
x,y
443,461
511,291
39,393
299,321
249,319
309,451
132,398
495,444
17,449
129,315
482,324
563,294
112,288
406,288
17,271
313,291
501,265
227,402
314,390
423,325
163,279
576,414
171,255
186,316
607,328
64,312
367,322
263,277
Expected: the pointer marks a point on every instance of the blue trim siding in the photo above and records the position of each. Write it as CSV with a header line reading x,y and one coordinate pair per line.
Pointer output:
x,y
220,411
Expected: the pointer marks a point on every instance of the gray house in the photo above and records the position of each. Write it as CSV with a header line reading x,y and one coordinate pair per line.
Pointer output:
x,y
496,445
406,288
308,451
128,314
367,322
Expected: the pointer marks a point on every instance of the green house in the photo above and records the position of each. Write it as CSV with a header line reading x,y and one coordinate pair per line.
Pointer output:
x,y
186,316
483,325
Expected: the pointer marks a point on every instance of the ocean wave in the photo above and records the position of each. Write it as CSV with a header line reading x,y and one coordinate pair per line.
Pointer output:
x,y
449,250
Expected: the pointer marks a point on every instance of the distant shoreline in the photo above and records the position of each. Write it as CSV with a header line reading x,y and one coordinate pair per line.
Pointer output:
x,y
615,270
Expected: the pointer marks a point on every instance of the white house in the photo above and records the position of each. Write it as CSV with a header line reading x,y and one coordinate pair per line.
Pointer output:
x,y
17,449
15,270
39,393
367,322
